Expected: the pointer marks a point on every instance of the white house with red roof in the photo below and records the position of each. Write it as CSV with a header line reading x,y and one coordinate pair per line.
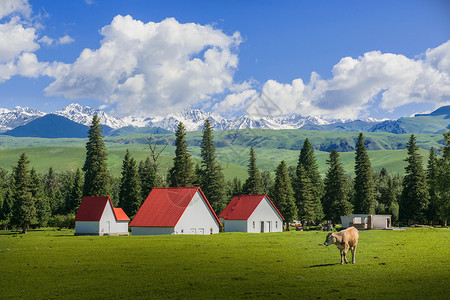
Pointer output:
x,y
97,216
175,210
251,213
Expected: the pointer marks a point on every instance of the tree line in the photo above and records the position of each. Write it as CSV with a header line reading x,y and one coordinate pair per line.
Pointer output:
x,y
299,192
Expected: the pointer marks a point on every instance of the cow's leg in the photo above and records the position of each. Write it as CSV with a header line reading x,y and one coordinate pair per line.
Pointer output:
x,y
353,254
342,256
345,254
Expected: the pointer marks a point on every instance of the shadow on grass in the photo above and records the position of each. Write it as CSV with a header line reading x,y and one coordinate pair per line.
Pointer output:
x,y
318,266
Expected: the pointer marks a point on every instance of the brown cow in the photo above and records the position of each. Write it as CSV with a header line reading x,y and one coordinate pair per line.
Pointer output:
x,y
344,240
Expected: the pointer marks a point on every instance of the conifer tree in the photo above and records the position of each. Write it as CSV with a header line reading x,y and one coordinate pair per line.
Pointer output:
x,y
76,192
24,208
335,200
52,192
210,174
182,172
305,196
267,183
253,183
234,188
443,180
433,210
43,209
415,196
96,175
307,161
283,194
7,207
130,191
364,186
147,175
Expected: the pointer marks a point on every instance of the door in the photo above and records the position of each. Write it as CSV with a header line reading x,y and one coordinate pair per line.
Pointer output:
x,y
269,227
262,226
108,227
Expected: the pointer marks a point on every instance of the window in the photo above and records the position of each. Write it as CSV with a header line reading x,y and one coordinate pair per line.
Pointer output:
x,y
181,230
253,224
357,220
276,224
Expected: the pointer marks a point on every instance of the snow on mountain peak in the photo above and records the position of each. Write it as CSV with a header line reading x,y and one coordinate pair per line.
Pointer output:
x,y
193,119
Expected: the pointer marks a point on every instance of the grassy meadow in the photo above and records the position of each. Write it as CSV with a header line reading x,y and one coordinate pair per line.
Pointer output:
x,y
48,264
234,160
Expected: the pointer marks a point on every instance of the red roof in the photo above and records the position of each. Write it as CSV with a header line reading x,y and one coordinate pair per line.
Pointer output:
x,y
120,214
165,206
241,207
92,208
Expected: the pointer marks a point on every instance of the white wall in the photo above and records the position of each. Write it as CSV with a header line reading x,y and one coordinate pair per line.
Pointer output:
x,y
87,227
345,220
379,221
235,225
151,230
264,212
267,214
101,228
197,218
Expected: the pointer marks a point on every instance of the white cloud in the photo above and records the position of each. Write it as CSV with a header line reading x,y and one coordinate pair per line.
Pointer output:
x,y
8,7
152,67
355,84
16,39
65,40
48,41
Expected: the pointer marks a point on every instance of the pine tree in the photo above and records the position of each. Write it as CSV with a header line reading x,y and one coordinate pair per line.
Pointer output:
x,y
253,183
24,209
433,184
52,192
7,207
147,175
364,186
283,194
305,196
130,192
267,183
307,161
234,188
210,174
443,177
335,200
76,192
415,196
182,172
43,209
96,177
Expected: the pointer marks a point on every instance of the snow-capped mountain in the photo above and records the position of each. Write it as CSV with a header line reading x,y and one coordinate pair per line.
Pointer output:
x,y
193,119
84,115
10,119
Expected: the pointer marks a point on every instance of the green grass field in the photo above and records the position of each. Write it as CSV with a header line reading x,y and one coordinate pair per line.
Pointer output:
x,y
234,160
407,264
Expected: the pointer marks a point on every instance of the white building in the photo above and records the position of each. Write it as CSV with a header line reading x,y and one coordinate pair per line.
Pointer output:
x,y
175,210
251,213
365,221
97,216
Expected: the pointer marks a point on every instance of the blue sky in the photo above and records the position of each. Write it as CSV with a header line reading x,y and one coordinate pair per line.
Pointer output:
x,y
337,59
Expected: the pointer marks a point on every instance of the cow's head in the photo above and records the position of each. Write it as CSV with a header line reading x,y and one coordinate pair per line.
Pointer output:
x,y
330,240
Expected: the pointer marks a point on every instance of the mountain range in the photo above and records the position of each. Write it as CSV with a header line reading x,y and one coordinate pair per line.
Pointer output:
x,y
193,119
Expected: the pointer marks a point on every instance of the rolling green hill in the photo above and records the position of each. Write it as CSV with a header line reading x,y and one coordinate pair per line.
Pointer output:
x,y
271,146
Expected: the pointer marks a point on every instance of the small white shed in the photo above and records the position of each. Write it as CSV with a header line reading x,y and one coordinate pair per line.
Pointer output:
x,y
365,221
97,216
251,213
175,210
